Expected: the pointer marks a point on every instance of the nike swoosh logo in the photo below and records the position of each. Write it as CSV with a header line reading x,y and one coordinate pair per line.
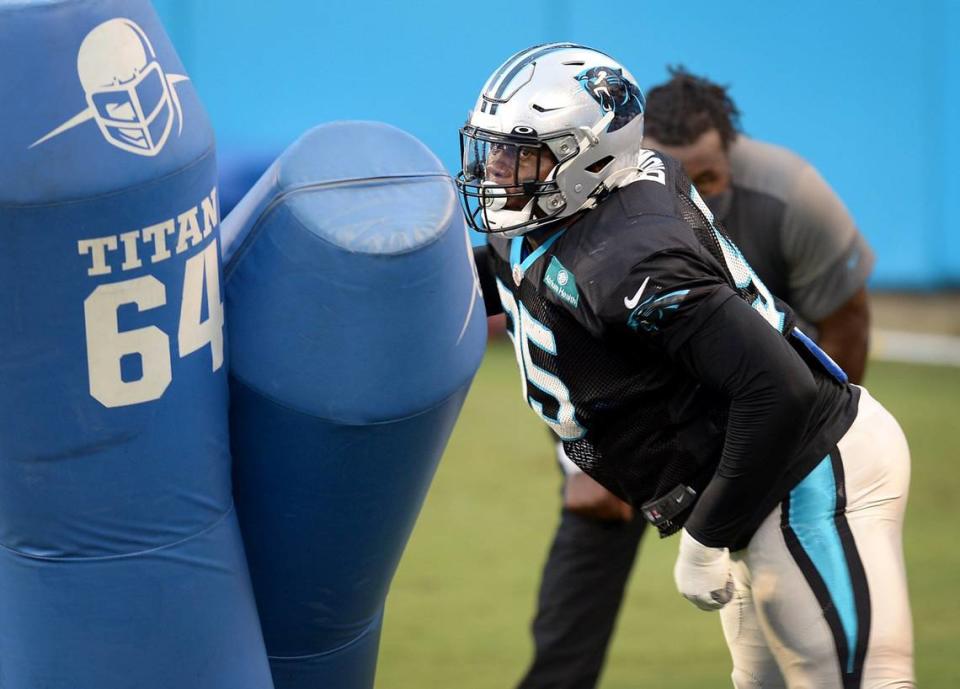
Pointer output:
x,y
635,299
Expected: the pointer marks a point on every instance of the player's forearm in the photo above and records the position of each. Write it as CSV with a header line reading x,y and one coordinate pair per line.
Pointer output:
x,y
488,282
765,426
845,335
771,393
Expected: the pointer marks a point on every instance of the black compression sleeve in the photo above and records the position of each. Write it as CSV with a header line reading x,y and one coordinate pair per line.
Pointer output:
x,y
771,393
488,282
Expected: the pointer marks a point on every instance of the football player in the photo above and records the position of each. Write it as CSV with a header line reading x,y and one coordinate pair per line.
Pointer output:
x,y
802,242
676,380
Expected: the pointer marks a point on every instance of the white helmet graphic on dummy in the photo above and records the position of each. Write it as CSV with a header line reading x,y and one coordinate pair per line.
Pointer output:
x,y
556,126
129,96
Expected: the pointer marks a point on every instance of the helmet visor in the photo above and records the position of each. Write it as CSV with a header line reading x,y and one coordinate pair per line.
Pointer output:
x,y
500,177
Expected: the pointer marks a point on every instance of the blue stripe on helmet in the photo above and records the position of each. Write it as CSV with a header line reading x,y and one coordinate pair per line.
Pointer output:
x,y
521,60
543,50
525,58
516,56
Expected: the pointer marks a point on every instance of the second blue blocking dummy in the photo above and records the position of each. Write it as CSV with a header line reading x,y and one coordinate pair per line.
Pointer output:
x,y
356,326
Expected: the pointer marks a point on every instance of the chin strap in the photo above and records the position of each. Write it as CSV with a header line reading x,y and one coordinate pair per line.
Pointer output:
x,y
492,197
507,218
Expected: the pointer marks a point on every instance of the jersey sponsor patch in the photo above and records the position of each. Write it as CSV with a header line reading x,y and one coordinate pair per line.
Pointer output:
x,y
562,283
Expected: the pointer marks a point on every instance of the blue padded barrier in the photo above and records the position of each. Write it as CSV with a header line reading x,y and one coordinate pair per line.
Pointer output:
x,y
356,326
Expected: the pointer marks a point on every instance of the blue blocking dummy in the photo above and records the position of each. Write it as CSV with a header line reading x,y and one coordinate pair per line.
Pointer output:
x,y
356,326
121,564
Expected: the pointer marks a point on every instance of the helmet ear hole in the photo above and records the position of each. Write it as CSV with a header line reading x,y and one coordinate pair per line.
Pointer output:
x,y
600,164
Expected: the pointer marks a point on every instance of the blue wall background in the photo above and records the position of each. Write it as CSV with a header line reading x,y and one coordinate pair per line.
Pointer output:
x,y
869,92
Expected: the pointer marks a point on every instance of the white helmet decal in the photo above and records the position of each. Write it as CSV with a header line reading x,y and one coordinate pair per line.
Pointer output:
x,y
130,97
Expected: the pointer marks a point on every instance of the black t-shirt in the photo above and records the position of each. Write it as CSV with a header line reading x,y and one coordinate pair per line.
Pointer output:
x,y
650,348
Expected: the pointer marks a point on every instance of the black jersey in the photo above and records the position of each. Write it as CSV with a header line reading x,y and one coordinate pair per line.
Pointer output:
x,y
617,322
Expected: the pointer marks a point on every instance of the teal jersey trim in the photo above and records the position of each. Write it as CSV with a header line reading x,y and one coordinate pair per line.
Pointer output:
x,y
519,267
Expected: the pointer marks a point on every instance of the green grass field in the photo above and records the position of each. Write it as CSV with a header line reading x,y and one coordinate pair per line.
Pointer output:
x,y
459,609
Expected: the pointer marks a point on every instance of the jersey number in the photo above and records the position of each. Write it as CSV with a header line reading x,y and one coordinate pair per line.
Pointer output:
x,y
108,346
527,331
740,269
743,275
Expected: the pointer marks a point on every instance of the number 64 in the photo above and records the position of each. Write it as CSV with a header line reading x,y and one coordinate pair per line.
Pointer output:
x,y
107,344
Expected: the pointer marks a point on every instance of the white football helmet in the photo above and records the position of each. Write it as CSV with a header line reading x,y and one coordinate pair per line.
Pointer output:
x,y
556,127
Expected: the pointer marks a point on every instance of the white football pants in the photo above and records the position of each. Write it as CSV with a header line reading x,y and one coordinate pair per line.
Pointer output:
x,y
821,590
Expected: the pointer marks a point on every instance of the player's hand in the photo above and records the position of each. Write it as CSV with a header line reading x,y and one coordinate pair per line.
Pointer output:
x,y
587,498
702,574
